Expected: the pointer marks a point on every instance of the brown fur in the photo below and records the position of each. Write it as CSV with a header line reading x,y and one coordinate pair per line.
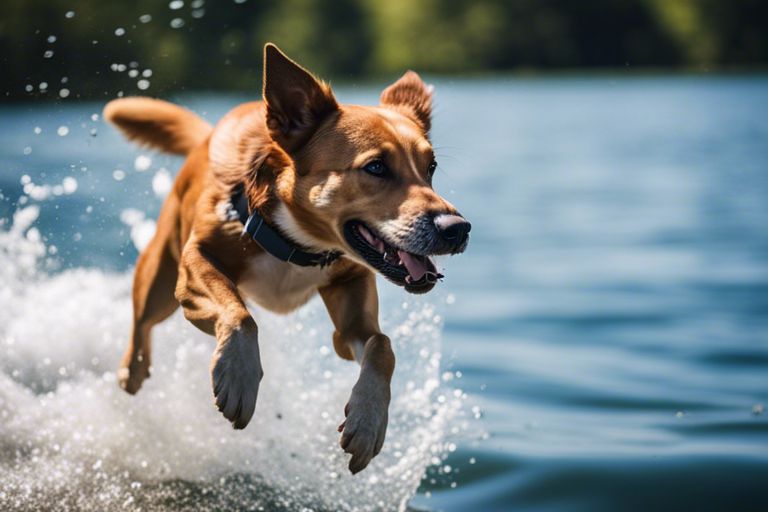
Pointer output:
x,y
158,124
299,156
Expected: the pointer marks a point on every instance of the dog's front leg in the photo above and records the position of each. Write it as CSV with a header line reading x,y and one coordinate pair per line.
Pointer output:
x,y
353,306
212,303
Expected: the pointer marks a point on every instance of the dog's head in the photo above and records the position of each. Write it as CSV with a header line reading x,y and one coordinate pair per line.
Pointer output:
x,y
361,177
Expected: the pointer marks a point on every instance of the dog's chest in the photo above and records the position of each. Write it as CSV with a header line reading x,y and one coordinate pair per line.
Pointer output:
x,y
279,286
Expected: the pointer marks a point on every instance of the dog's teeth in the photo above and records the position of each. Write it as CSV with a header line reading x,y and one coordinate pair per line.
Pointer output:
x,y
390,256
367,235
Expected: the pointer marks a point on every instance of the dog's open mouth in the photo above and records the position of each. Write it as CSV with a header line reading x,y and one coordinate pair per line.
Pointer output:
x,y
416,273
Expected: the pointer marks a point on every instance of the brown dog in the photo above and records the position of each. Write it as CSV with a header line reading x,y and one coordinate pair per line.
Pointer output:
x,y
285,198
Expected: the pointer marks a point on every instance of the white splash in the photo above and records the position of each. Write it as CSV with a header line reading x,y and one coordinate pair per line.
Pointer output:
x,y
44,192
162,182
142,229
71,439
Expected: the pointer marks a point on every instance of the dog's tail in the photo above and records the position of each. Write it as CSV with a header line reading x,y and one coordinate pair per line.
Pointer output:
x,y
157,124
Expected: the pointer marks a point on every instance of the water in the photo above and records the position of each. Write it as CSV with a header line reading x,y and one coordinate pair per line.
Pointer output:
x,y
602,345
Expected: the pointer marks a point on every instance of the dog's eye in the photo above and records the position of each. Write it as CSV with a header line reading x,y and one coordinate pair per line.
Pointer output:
x,y
375,167
431,169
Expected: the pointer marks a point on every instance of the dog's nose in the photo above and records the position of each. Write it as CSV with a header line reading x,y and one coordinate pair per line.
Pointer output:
x,y
453,228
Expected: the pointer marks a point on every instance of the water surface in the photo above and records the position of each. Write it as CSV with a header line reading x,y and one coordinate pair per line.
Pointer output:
x,y
602,345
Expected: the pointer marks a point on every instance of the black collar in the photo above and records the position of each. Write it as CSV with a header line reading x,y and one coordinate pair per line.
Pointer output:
x,y
271,240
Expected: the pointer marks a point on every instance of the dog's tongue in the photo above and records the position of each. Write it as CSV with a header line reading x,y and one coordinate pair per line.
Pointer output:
x,y
416,267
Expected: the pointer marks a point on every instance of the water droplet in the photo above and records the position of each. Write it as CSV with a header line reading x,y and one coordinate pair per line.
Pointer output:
x,y
94,117
176,4
145,18
143,84
29,87
70,14
133,73
120,31
69,184
146,73
28,150
118,174
38,130
63,131
51,39
142,163
64,93
43,86
177,23
48,54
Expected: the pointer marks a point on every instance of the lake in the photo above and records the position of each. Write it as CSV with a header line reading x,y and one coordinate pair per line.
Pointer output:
x,y
602,345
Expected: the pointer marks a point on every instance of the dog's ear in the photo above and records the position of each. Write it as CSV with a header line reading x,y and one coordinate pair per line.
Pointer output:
x,y
296,101
412,96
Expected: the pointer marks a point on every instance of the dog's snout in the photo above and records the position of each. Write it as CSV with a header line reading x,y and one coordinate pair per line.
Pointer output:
x,y
453,228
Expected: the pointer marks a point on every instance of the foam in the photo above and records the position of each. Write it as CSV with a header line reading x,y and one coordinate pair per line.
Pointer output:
x,y
71,439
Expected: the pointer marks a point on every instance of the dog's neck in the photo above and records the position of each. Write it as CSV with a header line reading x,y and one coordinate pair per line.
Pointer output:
x,y
274,240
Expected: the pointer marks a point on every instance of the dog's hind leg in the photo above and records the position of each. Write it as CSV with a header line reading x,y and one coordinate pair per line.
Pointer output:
x,y
154,283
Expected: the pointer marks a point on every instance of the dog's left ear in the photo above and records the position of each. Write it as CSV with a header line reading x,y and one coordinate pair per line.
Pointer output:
x,y
412,95
296,101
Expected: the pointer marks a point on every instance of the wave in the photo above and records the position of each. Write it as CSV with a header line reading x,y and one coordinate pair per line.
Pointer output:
x,y
71,439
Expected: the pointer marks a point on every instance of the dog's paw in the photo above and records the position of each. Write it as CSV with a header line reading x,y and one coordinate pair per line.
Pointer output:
x,y
364,429
132,373
236,373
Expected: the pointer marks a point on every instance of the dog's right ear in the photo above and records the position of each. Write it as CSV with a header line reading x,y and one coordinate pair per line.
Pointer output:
x,y
296,101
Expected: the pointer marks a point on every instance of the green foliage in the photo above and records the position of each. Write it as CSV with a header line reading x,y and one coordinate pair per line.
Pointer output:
x,y
219,44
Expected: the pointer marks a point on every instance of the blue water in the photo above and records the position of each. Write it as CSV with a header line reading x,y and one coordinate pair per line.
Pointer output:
x,y
608,323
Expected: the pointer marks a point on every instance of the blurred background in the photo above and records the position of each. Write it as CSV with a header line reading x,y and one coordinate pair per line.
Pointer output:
x,y
602,345
194,45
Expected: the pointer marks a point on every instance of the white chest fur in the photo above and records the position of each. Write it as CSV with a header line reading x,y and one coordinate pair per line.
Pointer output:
x,y
278,286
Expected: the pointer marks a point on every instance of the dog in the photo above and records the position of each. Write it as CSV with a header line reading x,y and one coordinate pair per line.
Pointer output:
x,y
285,198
